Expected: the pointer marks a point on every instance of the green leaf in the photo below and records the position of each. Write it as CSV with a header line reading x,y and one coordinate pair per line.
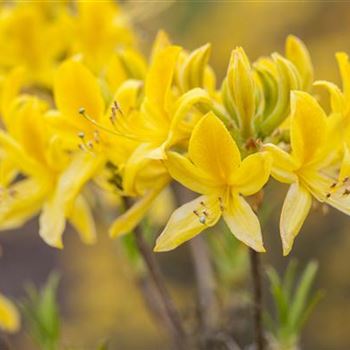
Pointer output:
x,y
289,279
41,313
302,293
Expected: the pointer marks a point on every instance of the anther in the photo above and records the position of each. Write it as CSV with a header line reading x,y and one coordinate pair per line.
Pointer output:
x,y
346,192
333,185
96,136
202,219
81,134
81,110
346,179
117,107
328,195
221,204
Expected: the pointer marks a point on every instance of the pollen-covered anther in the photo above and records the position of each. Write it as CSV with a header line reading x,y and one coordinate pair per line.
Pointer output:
x,y
221,203
201,216
346,192
202,219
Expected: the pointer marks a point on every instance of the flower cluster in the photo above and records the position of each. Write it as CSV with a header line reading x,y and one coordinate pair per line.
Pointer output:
x,y
80,103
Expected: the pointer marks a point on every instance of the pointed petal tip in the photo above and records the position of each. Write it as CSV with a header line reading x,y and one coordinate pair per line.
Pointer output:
x,y
286,246
160,247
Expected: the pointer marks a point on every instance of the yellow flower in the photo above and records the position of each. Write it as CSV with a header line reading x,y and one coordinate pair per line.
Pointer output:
x,y
305,168
99,29
9,316
33,36
52,180
215,170
339,119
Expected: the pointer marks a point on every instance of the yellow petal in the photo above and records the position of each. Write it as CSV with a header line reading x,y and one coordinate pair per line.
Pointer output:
x,y
52,219
295,209
132,217
11,87
182,108
212,149
242,88
188,221
283,164
19,157
321,187
139,159
308,128
9,316
337,98
75,87
253,173
82,220
161,42
344,67
185,172
20,202
297,52
243,222
345,165
28,127
160,75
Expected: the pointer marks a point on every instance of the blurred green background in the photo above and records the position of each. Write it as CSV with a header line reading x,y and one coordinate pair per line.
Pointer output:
x,y
98,296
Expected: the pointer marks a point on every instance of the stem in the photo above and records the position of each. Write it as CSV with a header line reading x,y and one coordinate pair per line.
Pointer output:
x,y
4,344
258,304
206,286
155,274
170,312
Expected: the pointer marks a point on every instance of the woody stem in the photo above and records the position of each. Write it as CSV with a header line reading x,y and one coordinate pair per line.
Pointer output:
x,y
170,313
257,299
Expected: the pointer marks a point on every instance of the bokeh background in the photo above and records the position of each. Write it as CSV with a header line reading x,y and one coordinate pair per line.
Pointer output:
x,y
98,295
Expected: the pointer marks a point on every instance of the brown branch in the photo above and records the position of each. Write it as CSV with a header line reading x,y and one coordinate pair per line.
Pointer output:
x,y
206,286
170,313
258,302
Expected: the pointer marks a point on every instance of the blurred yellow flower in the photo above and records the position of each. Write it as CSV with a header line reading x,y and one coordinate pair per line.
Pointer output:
x,y
9,316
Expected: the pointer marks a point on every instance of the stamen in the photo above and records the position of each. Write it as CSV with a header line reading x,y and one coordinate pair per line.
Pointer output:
x,y
117,108
202,218
97,136
221,202
102,127
346,192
